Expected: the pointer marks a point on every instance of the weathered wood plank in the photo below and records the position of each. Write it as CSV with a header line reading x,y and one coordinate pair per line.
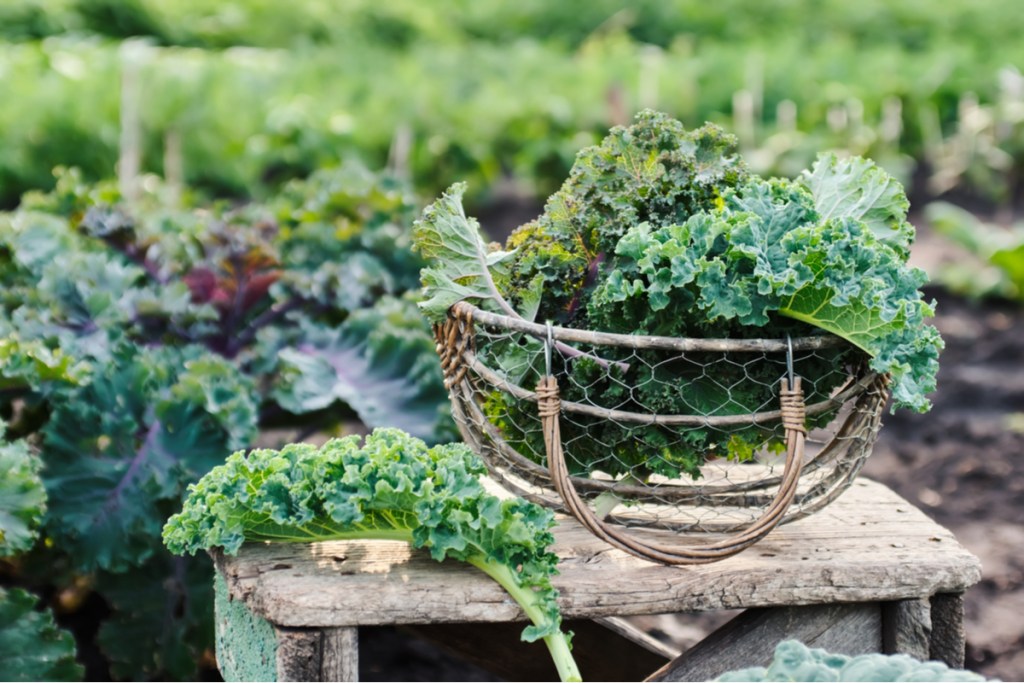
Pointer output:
x,y
948,642
868,546
307,654
750,639
298,654
907,628
602,654
340,654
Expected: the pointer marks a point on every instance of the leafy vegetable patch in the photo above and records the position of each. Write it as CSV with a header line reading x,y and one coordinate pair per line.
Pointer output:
x,y
142,341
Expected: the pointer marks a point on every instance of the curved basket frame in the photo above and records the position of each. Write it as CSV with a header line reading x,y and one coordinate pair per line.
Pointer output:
x,y
804,485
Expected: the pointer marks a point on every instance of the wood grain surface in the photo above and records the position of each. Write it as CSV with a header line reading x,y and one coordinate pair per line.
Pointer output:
x,y
750,639
870,545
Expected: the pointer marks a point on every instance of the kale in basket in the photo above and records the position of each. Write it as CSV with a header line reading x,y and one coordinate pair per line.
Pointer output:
x,y
663,231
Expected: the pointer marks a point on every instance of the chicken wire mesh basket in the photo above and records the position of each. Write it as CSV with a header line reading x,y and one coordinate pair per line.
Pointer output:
x,y
770,430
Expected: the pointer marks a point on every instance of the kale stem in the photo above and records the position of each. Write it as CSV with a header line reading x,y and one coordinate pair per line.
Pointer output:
x,y
272,314
557,642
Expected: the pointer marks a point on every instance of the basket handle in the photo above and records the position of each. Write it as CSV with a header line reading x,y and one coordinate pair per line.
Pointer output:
x,y
793,420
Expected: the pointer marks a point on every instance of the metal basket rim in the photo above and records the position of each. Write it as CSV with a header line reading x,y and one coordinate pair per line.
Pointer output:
x,y
837,462
636,341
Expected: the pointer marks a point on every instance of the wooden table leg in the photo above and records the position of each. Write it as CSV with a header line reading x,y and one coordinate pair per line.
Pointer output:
x,y
329,654
948,641
250,648
926,628
907,628
750,638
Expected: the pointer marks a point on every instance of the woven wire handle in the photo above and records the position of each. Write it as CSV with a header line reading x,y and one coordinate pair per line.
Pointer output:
x,y
793,420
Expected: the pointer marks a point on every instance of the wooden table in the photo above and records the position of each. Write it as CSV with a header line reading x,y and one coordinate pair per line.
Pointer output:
x,y
870,573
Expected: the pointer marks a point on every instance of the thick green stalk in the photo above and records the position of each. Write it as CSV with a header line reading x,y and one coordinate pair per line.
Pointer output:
x,y
557,643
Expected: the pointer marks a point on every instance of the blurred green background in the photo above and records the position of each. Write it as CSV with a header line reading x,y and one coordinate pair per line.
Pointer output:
x,y
196,124
235,96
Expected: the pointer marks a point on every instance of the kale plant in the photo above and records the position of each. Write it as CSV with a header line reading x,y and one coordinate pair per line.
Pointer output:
x,y
32,647
389,487
663,231
141,342
794,661
22,496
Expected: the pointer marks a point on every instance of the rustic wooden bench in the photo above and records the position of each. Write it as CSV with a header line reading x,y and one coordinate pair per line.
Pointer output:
x,y
870,573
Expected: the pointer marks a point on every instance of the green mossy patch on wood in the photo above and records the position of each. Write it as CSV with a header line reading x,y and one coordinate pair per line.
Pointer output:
x,y
246,643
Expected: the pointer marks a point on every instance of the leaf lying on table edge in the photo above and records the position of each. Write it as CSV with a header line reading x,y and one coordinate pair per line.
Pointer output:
x,y
391,487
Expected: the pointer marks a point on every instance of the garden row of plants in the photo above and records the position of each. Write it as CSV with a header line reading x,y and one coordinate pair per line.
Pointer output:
x,y
485,91
263,23
140,344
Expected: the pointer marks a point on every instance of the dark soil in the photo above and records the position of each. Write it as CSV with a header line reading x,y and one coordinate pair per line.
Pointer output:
x,y
963,464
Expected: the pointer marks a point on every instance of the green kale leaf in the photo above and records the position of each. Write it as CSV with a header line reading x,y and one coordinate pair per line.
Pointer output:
x,y
379,361
768,252
857,188
32,647
176,623
22,496
392,486
152,421
461,266
794,661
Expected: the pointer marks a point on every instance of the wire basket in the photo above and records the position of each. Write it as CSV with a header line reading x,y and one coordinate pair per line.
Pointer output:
x,y
772,430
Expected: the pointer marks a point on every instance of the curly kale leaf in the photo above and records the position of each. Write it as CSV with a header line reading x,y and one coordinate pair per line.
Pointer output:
x,y
769,252
32,647
22,496
653,172
461,265
862,291
390,487
857,188
794,661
